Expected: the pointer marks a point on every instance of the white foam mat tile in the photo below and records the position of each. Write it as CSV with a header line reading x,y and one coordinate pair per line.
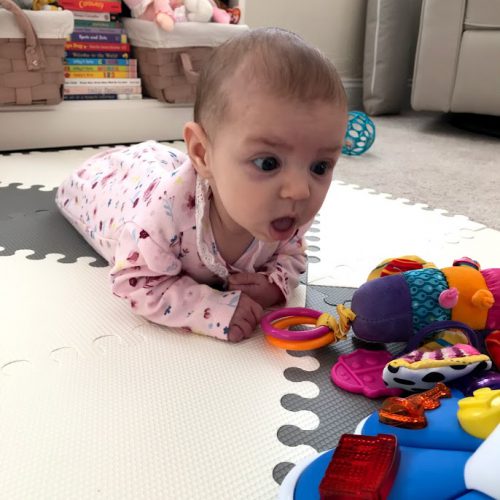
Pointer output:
x,y
173,415
44,168
358,228
56,310
49,168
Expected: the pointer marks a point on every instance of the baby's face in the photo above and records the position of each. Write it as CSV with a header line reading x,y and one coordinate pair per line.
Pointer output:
x,y
272,162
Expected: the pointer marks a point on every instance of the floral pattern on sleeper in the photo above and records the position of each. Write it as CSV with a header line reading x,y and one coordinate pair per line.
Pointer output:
x,y
146,211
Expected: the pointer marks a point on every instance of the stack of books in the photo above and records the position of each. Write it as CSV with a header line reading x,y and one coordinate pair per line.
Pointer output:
x,y
98,63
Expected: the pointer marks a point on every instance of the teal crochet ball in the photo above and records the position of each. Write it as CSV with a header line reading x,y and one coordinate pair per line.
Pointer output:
x,y
360,134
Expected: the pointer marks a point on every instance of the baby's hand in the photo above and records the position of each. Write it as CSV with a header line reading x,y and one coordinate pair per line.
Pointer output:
x,y
245,318
256,286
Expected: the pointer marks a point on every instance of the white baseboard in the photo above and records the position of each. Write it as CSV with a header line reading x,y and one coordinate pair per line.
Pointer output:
x,y
89,123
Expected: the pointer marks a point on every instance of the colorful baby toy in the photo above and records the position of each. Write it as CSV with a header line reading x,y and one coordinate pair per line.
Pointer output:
x,y
326,331
439,313
401,306
360,134
395,308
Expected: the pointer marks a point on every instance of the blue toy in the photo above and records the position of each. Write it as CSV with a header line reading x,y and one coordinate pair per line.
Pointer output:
x,y
432,460
360,134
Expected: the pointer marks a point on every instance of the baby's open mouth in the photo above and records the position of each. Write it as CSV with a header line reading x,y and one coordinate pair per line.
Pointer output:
x,y
283,224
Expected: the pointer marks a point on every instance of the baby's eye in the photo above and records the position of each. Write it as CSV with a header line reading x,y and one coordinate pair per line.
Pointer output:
x,y
266,164
321,167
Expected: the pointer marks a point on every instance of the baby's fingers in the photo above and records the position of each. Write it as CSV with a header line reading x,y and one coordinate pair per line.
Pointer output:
x,y
235,334
256,310
243,329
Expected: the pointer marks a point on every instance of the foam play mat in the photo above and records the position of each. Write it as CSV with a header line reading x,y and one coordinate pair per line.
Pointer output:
x,y
96,402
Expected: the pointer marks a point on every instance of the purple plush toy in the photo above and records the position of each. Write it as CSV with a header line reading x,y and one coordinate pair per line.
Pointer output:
x,y
399,307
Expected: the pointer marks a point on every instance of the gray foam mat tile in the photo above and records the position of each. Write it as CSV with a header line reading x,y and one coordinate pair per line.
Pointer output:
x,y
45,232
338,411
14,201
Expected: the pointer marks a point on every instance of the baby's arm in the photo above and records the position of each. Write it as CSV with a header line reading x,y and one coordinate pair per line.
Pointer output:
x,y
275,280
150,278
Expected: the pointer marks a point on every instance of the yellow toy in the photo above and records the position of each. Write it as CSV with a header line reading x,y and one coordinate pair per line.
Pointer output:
x,y
480,414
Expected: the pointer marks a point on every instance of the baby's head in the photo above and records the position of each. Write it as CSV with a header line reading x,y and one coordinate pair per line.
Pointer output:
x,y
272,60
269,123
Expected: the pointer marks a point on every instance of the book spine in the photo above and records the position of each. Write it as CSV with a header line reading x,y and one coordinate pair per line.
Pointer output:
x,y
99,74
94,16
97,47
86,23
89,61
97,37
72,68
92,97
98,54
111,6
101,81
99,31
107,89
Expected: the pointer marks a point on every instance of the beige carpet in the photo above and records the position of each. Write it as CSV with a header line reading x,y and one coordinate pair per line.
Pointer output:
x,y
421,157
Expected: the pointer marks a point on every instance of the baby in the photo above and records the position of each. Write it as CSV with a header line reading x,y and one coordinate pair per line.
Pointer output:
x,y
205,241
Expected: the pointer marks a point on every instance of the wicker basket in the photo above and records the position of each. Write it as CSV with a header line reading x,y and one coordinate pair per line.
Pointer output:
x,y
31,64
169,62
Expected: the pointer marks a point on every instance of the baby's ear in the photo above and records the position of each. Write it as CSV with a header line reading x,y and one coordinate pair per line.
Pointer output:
x,y
197,147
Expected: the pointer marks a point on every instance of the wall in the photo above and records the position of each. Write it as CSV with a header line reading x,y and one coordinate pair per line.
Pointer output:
x,y
335,26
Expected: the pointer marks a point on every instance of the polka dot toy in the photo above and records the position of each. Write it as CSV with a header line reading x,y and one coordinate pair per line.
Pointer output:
x,y
360,134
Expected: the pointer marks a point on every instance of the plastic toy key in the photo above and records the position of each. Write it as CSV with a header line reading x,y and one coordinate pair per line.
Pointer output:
x,y
409,412
361,467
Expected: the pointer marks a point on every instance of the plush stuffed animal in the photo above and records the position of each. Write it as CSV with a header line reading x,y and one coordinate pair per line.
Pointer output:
x,y
200,11
396,307
204,11
443,316
160,11
167,12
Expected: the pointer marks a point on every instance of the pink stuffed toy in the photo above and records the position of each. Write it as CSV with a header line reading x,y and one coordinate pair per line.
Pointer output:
x,y
160,11
166,12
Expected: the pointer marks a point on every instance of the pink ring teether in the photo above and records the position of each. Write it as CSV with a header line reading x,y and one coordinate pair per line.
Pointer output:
x,y
314,333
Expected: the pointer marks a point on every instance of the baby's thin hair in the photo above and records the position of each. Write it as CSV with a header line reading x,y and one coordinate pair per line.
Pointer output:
x,y
278,59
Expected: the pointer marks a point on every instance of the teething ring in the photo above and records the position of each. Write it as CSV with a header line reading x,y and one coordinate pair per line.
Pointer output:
x,y
275,322
300,345
275,326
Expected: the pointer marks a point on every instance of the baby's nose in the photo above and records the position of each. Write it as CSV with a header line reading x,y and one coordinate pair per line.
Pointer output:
x,y
295,186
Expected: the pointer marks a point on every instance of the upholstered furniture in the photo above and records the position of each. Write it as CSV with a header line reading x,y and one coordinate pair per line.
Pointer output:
x,y
457,63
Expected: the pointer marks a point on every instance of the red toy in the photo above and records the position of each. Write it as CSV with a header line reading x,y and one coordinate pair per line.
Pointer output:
x,y
361,467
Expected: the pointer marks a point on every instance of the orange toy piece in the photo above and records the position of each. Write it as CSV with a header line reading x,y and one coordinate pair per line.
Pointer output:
x,y
409,412
474,300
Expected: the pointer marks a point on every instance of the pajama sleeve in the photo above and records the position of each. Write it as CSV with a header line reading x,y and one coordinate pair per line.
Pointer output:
x,y
288,263
150,278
